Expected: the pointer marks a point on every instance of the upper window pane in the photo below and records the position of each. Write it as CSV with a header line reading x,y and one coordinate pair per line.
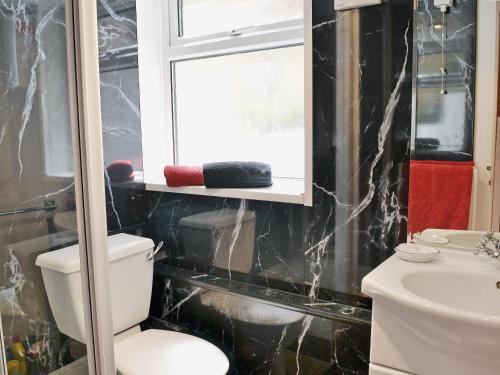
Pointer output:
x,y
242,107
204,17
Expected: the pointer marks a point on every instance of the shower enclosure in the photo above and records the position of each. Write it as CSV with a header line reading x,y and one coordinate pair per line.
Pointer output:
x,y
52,183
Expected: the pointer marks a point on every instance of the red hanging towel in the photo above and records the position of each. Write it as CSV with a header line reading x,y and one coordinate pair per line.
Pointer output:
x,y
440,194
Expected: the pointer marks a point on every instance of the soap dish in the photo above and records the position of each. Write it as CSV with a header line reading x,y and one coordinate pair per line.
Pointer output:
x,y
411,252
430,239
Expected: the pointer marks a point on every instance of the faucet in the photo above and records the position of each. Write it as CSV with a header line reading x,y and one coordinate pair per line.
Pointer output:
x,y
489,238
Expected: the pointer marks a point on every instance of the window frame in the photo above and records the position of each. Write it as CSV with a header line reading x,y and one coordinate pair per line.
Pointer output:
x,y
175,40
156,94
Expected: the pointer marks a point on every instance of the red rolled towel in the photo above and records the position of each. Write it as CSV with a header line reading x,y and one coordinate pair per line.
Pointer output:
x,y
120,171
182,175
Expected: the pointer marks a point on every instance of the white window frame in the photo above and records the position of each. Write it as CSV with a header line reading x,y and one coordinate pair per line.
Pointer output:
x,y
176,40
159,46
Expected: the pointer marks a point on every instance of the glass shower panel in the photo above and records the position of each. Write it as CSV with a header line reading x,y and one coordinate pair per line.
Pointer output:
x,y
37,189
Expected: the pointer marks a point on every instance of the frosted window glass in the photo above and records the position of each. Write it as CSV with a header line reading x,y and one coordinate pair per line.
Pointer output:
x,y
202,17
247,106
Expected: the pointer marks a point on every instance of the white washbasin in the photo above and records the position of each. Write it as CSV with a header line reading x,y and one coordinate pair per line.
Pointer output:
x,y
475,293
441,317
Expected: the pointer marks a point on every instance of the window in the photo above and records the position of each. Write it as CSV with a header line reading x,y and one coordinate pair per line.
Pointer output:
x,y
232,15
246,104
229,78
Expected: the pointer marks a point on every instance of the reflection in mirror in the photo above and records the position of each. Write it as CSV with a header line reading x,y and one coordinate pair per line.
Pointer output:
x,y
442,173
121,126
443,122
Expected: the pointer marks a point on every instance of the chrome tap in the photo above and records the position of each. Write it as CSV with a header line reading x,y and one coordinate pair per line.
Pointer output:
x,y
489,239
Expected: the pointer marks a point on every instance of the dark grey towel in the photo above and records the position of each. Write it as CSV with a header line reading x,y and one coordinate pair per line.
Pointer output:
x,y
237,174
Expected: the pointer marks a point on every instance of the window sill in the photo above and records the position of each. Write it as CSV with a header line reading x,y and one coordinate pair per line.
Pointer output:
x,y
284,190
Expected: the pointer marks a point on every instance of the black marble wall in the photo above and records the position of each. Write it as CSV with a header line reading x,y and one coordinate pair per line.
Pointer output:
x,y
283,294
257,337
362,90
36,182
293,305
444,123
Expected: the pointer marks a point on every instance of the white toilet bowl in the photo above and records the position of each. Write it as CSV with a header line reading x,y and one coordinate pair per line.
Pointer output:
x,y
169,353
152,352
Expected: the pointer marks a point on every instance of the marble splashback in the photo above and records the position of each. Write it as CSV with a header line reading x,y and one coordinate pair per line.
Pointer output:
x,y
276,260
362,91
259,338
444,123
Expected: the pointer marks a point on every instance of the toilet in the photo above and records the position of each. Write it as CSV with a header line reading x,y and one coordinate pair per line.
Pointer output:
x,y
209,236
152,352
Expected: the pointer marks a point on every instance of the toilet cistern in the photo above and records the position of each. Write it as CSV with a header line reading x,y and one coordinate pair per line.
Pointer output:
x,y
131,281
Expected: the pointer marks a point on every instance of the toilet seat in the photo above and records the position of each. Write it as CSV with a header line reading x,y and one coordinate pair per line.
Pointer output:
x,y
159,352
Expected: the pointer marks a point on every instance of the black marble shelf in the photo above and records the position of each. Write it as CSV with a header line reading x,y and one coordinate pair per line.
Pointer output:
x,y
302,304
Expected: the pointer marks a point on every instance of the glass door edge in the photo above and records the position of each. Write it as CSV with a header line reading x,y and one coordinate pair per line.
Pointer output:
x,y
89,186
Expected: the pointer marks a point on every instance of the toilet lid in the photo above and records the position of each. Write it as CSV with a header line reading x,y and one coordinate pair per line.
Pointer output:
x,y
159,352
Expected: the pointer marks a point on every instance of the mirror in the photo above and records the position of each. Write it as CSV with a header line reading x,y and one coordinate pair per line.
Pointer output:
x,y
442,171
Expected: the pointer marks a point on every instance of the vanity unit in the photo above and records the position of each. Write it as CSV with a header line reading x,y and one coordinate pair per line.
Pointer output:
x,y
436,318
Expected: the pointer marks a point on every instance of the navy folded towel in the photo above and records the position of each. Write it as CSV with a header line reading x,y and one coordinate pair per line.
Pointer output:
x,y
235,174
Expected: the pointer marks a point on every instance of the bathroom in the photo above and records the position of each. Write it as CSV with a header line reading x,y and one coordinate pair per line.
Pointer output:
x,y
378,121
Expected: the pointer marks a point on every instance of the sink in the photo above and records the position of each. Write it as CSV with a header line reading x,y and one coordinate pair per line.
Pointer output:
x,y
441,317
466,292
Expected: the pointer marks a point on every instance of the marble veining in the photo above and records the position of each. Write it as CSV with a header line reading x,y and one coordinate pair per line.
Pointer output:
x,y
263,339
299,309
36,164
235,235
32,87
306,324
109,9
112,198
383,131
313,306
317,254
